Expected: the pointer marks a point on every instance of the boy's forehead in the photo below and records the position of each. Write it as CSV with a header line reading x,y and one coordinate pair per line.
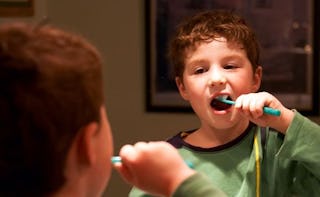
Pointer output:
x,y
232,44
217,48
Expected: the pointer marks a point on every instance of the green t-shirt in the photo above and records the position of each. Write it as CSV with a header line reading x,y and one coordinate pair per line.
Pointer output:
x,y
288,165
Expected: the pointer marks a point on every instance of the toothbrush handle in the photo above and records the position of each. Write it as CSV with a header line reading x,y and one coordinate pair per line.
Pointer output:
x,y
271,111
117,159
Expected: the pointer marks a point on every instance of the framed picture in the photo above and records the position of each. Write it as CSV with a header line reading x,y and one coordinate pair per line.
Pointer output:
x,y
285,29
16,8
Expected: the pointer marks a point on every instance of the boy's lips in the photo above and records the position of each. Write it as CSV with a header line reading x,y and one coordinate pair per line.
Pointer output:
x,y
216,104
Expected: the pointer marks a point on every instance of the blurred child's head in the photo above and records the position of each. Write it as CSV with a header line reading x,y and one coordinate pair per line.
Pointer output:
x,y
207,26
51,87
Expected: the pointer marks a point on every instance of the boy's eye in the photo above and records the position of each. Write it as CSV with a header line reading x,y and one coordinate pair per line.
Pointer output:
x,y
199,71
229,66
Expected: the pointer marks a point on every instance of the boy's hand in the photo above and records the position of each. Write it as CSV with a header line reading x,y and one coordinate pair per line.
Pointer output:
x,y
251,105
155,167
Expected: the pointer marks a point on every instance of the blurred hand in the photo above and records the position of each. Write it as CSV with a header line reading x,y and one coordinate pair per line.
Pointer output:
x,y
155,167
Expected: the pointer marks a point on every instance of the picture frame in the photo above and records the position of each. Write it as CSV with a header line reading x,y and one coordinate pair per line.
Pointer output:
x,y
285,29
16,8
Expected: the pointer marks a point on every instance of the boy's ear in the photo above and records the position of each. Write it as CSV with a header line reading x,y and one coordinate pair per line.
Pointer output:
x,y
181,88
86,143
257,77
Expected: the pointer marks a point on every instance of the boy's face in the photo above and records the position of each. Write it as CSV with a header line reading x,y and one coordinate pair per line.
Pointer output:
x,y
214,69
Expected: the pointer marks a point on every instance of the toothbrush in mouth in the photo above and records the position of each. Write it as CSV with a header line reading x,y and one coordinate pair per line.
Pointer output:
x,y
266,110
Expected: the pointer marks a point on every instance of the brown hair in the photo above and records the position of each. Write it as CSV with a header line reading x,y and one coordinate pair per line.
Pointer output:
x,y
51,86
206,26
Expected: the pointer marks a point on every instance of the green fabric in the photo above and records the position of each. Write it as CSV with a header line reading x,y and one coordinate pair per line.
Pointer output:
x,y
290,165
198,185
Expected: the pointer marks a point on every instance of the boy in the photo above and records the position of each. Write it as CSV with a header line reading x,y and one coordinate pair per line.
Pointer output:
x,y
55,139
242,150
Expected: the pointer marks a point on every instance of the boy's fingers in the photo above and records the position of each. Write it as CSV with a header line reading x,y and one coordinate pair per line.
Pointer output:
x,y
127,153
124,172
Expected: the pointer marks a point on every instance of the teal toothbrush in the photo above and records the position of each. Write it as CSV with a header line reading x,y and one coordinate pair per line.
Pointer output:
x,y
117,159
266,110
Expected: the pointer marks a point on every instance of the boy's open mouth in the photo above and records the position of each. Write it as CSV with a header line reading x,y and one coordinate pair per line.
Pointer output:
x,y
218,105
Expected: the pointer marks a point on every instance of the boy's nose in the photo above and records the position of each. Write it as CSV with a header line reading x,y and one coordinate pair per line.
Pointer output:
x,y
217,80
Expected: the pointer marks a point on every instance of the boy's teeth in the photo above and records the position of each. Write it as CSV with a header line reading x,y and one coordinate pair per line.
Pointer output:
x,y
222,97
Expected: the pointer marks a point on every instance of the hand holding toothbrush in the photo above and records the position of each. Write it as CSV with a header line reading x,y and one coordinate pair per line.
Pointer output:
x,y
263,109
142,162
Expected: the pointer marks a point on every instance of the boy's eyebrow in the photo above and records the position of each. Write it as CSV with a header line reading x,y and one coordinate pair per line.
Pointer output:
x,y
233,56
196,61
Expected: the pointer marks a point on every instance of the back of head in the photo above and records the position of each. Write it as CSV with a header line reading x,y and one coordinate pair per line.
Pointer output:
x,y
207,26
51,86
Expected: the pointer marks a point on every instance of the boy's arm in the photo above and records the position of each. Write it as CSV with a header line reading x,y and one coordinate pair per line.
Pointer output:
x,y
158,169
301,143
154,167
197,185
283,122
